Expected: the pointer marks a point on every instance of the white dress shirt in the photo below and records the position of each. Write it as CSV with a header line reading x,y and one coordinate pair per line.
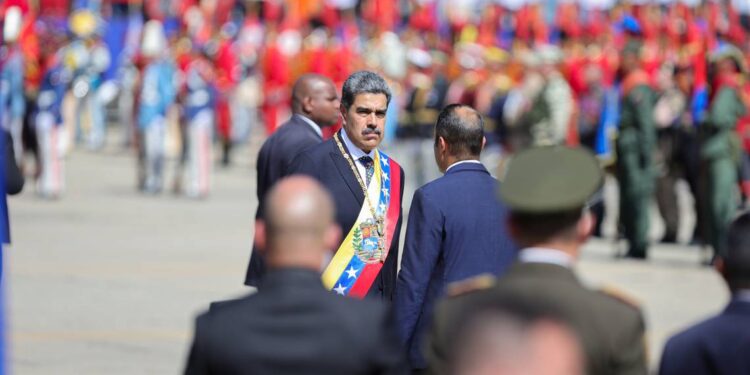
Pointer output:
x,y
356,153
462,162
312,124
545,255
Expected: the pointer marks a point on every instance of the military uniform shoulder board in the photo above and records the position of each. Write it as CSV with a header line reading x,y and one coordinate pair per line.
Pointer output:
x,y
620,296
475,283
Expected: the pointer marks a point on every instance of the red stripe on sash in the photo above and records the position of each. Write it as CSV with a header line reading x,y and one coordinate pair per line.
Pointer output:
x,y
371,271
365,280
394,209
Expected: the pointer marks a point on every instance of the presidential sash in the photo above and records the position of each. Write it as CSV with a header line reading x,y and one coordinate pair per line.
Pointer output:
x,y
360,257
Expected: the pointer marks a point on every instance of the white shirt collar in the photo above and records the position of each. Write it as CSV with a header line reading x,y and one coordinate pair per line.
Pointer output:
x,y
462,162
354,151
312,124
545,255
743,295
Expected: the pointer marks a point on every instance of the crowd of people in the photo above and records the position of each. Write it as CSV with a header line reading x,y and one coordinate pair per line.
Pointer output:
x,y
178,78
656,91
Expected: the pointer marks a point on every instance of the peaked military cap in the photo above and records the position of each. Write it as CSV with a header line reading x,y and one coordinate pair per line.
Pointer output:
x,y
729,51
550,179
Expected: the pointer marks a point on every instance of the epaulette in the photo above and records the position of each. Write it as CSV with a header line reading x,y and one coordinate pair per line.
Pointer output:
x,y
621,296
480,282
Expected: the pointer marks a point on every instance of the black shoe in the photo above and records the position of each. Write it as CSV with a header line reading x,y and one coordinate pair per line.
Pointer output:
x,y
636,254
669,237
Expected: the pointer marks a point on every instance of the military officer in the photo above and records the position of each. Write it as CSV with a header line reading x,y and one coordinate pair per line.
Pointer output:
x,y
719,147
636,143
546,190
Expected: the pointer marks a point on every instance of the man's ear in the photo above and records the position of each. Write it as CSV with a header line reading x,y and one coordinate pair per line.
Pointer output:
x,y
585,225
260,236
342,109
442,145
307,106
484,142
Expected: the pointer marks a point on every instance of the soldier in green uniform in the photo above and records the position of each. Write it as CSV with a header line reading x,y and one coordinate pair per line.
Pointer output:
x,y
719,145
547,189
636,144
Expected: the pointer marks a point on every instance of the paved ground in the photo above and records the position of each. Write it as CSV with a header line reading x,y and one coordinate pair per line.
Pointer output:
x,y
107,280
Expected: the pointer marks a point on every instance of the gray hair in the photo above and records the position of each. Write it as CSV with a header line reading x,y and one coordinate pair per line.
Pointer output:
x,y
363,82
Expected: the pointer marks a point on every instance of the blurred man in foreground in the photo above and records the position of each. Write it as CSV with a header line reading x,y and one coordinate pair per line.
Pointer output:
x,y
514,337
719,345
293,325
546,190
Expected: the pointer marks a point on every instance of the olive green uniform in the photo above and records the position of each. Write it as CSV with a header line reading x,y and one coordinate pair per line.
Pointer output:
x,y
636,143
719,150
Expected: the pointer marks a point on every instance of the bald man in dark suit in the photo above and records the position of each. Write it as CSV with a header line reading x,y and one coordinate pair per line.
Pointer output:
x,y
293,325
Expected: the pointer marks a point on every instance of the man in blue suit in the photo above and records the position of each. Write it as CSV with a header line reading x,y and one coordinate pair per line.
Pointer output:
x,y
315,104
456,227
719,345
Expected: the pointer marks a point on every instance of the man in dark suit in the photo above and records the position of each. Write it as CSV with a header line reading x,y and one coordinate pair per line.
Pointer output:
x,y
456,227
315,104
719,345
546,190
293,325
367,187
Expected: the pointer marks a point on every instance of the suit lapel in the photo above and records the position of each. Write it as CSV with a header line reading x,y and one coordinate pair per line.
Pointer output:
x,y
346,173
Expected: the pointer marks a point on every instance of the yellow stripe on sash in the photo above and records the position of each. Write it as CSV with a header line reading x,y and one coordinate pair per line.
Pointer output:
x,y
345,252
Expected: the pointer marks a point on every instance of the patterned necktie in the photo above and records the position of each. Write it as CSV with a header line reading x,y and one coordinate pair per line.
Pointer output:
x,y
369,165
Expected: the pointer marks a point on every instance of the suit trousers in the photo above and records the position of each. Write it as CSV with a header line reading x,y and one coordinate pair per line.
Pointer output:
x,y
154,138
199,151
51,138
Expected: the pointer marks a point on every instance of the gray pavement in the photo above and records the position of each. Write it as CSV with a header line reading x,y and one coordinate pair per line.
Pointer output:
x,y
107,280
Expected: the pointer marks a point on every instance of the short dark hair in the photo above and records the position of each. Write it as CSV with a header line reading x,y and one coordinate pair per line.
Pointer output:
x,y
541,227
737,257
463,134
363,82
506,309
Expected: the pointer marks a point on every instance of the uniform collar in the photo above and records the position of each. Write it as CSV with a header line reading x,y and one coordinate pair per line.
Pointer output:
x,y
281,277
543,270
461,163
312,124
354,151
547,256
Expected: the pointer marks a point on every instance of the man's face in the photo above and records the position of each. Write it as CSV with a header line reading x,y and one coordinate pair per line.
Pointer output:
x,y
364,121
324,105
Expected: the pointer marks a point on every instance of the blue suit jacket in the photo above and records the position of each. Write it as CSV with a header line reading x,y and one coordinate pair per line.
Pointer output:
x,y
717,346
325,163
274,159
456,231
